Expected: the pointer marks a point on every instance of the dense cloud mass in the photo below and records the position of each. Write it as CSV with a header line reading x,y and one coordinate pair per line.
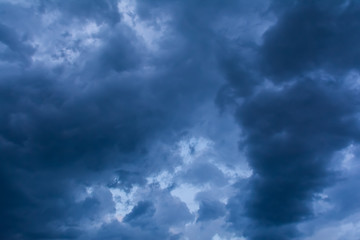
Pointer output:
x,y
230,120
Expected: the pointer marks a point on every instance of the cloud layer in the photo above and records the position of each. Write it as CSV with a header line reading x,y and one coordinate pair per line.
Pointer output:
x,y
179,120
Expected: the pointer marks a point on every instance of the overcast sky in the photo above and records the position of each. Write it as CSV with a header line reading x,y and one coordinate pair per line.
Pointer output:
x,y
179,120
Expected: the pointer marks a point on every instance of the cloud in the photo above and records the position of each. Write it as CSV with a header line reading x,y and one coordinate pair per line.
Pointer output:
x,y
140,213
177,119
295,119
311,36
210,210
16,49
99,11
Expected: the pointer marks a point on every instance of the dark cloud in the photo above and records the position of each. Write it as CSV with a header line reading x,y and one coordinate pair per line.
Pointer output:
x,y
63,131
313,35
290,141
210,210
95,97
292,130
116,230
140,214
15,48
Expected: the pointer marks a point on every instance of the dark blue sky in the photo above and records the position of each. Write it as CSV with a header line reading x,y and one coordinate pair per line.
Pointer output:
x,y
179,120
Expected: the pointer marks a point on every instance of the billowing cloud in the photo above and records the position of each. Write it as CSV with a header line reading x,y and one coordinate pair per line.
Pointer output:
x,y
295,119
178,119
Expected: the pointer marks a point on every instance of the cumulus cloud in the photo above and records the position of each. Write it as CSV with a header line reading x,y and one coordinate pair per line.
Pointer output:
x,y
178,119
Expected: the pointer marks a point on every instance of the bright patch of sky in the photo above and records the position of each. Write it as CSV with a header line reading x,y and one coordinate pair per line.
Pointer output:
x,y
124,201
150,32
63,43
187,193
190,151
193,148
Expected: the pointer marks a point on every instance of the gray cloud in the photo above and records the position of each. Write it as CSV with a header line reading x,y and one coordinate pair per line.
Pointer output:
x,y
95,98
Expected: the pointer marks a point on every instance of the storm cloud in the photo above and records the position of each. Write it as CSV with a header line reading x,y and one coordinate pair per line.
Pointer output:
x,y
178,119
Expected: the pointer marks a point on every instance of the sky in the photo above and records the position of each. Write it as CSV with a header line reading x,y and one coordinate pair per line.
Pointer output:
x,y
179,120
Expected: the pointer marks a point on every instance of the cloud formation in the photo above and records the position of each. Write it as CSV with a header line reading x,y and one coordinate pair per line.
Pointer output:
x,y
178,119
